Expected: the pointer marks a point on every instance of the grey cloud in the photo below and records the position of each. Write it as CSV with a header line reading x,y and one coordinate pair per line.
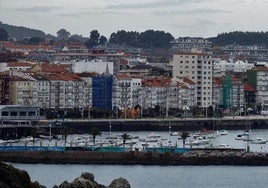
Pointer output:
x,y
191,12
157,4
37,9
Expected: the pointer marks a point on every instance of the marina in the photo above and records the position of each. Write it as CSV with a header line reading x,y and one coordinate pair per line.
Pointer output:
x,y
142,140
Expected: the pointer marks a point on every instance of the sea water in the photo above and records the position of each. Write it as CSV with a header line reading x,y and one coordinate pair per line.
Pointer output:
x,y
153,176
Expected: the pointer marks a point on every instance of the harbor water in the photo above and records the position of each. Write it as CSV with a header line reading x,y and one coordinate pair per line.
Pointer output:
x,y
153,176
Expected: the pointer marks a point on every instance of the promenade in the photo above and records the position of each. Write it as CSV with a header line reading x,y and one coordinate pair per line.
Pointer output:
x,y
176,124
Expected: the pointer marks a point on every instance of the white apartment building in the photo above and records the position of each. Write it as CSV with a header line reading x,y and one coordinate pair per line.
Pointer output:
x,y
187,44
258,78
222,66
67,91
96,65
43,91
136,92
122,83
238,96
197,67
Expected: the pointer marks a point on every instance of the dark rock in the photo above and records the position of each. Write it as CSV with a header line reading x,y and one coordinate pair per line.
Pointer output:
x,y
119,183
88,176
11,177
86,180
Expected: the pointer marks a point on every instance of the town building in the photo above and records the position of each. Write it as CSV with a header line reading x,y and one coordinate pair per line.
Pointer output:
x,y
187,44
197,67
258,78
220,67
102,90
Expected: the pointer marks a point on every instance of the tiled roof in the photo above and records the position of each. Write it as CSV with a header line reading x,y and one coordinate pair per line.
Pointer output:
x,y
46,67
188,81
156,82
248,87
122,76
19,64
260,68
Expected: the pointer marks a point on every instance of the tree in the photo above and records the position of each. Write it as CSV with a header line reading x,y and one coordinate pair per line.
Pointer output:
x,y
102,40
34,133
95,132
35,40
184,135
3,35
125,137
63,34
93,39
65,132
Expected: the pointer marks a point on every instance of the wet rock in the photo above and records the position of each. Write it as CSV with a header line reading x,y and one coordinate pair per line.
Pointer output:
x,y
119,183
86,180
11,177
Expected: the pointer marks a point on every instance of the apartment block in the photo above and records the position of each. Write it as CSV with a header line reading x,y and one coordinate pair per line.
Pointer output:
x,y
197,67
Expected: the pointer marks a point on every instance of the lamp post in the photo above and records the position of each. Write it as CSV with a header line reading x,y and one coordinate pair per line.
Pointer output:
x,y
50,132
110,128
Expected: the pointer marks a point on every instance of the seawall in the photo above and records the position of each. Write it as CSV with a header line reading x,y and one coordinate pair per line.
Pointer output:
x,y
194,157
78,126
189,124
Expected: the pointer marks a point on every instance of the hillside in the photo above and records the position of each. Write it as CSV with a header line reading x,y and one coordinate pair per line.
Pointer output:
x,y
240,38
19,32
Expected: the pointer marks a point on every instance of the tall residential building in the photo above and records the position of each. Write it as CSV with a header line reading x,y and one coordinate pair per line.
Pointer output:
x,y
198,68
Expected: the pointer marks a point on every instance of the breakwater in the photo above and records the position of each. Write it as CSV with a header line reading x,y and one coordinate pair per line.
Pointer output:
x,y
193,157
175,124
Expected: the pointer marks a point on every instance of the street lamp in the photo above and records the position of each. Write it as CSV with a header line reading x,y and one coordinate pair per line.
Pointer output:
x,y
110,127
50,132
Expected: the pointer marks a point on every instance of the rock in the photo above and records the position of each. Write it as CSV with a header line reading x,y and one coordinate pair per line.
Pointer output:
x,y
88,176
11,177
86,180
119,183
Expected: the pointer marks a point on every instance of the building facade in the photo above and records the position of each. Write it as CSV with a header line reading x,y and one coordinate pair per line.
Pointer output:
x,y
198,68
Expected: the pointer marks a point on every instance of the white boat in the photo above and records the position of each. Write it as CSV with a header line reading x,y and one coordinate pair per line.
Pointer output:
x,y
220,146
259,141
198,141
154,135
243,136
223,132
174,134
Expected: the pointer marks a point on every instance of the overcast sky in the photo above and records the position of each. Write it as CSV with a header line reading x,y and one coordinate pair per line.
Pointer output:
x,y
197,18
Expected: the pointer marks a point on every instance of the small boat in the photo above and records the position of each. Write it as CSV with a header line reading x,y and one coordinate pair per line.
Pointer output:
x,y
220,146
174,134
154,135
259,141
198,141
243,136
223,132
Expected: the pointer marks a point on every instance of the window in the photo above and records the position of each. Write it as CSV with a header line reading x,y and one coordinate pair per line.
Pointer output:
x,y
13,113
4,113
31,113
23,113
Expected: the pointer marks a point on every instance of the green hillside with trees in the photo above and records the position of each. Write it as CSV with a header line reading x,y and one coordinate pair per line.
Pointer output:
x,y
240,38
20,32
148,39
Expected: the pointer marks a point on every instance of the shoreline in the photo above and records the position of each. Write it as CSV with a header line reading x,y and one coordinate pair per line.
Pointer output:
x,y
199,157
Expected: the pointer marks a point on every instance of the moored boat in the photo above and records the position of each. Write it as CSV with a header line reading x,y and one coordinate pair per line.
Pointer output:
x,y
259,141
